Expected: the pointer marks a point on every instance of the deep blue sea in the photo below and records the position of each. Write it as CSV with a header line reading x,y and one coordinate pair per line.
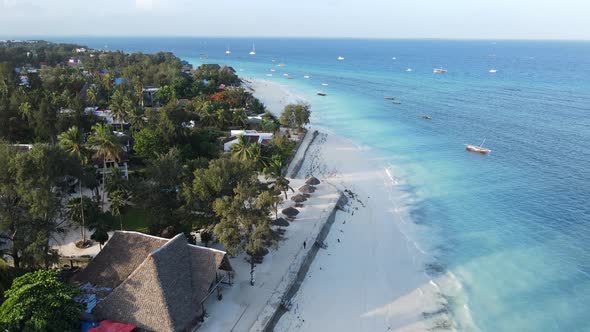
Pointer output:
x,y
513,227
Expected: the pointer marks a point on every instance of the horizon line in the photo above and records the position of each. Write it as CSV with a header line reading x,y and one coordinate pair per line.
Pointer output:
x,y
40,37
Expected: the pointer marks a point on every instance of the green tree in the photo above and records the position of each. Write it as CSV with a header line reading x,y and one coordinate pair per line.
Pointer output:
x,y
118,200
241,149
106,147
38,301
74,207
121,106
148,143
73,142
295,116
245,223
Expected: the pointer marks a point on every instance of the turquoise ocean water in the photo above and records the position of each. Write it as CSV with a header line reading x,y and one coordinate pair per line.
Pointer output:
x,y
513,227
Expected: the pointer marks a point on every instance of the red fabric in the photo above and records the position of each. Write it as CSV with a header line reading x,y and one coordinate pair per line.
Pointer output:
x,y
112,326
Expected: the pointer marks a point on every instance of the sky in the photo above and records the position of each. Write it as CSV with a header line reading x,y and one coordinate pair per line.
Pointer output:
x,y
452,19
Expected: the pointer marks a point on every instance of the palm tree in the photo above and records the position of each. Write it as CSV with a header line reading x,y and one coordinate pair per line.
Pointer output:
x,y
241,149
239,118
25,111
118,200
106,147
120,107
274,170
72,141
91,97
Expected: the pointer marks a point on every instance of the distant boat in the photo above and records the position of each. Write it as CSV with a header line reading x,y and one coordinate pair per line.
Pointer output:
x,y
394,58
493,71
340,58
325,84
273,69
320,93
478,149
426,117
281,65
389,98
269,75
396,102
286,75
227,51
409,69
306,76
439,70
253,52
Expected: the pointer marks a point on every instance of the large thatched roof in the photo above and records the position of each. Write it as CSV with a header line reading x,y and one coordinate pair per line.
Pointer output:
x,y
307,189
312,181
164,291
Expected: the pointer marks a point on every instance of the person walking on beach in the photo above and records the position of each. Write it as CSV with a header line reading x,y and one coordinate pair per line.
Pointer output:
x,y
304,244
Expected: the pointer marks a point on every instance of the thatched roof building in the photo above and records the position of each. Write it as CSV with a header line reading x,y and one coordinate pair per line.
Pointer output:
x,y
158,284
312,181
307,189
298,198
290,212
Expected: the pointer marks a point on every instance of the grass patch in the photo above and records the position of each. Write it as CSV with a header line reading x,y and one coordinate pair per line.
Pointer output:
x,y
134,219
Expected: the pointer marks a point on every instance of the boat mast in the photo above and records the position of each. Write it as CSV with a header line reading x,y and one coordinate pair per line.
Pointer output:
x,y
484,140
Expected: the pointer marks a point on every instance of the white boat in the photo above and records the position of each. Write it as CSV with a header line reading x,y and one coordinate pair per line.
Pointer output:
x,y
286,75
273,69
227,51
439,70
340,58
478,149
394,58
306,76
325,84
493,71
253,52
269,75
409,69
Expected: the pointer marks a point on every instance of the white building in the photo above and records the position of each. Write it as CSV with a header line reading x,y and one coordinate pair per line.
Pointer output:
x,y
252,136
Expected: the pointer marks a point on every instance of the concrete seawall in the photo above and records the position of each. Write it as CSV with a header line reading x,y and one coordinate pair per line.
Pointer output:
x,y
294,280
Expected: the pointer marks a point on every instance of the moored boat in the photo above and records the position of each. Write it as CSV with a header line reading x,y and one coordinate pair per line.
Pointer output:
x,y
426,117
389,98
439,70
477,149
396,102
320,93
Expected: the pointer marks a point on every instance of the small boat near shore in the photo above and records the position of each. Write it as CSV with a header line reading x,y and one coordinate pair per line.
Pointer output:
x,y
426,117
477,149
396,102
493,71
389,98
306,76
320,93
324,84
439,71
340,58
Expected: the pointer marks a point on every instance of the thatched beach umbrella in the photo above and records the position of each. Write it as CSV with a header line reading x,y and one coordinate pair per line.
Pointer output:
x,y
307,189
298,198
281,222
290,212
313,181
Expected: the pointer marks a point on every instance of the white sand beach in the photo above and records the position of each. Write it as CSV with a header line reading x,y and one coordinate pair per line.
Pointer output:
x,y
371,277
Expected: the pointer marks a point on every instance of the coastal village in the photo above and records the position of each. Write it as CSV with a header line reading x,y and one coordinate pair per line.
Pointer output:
x,y
149,195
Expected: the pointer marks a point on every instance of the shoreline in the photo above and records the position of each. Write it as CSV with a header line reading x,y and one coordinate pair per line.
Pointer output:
x,y
344,288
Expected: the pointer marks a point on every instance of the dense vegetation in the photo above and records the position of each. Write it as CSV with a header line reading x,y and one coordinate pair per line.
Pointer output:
x,y
168,125
38,301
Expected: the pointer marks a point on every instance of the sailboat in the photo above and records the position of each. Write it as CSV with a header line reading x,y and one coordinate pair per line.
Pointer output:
x,y
253,52
340,58
227,51
478,149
